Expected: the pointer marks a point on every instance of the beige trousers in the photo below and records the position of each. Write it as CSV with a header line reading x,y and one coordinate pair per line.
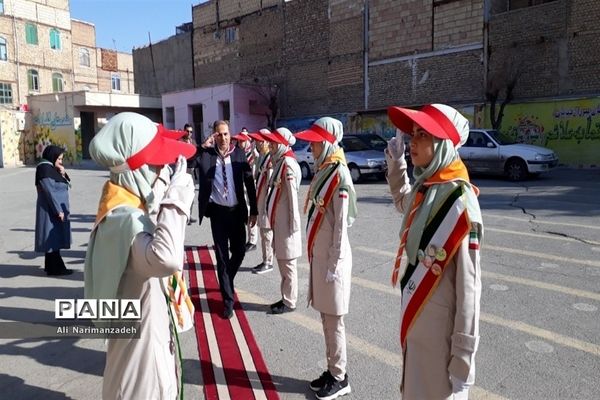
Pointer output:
x,y
266,242
289,281
335,344
251,234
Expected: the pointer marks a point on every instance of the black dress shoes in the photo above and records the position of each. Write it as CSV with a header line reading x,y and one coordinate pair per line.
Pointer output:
x,y
227,313
250,246
65,271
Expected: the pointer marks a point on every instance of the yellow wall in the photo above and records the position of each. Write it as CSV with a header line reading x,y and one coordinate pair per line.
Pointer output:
x,y
569,127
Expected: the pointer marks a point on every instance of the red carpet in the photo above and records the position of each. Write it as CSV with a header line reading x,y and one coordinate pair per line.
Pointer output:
x,y
232,365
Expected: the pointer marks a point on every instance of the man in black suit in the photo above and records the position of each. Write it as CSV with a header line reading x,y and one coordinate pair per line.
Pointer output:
x,y
223,171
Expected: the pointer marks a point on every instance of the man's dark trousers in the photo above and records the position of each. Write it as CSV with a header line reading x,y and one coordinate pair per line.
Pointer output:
x,y
229,234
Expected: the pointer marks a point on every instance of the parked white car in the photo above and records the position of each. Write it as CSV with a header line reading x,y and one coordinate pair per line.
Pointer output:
x,y
304,158
488,151
362,160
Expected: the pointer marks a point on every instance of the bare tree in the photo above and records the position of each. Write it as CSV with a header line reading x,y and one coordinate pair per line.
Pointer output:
x,y
505,70
269,95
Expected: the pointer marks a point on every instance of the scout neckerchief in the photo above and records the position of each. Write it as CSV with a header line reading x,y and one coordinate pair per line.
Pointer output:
x,y
440,240
114,196
279,175
263,174
321,191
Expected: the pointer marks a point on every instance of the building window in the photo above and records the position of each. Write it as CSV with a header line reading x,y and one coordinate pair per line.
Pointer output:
x,y
1,6
5,93
3,51
224,110
230,34
170,116
515,4
33,80
31,36
57,82
55,39
84,57
115,80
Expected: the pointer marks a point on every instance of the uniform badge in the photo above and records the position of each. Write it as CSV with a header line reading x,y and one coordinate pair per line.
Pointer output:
x,y
436,269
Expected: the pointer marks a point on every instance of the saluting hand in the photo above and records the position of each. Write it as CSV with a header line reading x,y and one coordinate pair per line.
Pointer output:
x,y
209,142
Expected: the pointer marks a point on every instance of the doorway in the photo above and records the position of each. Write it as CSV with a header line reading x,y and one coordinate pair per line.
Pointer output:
x,y
198,122
88,122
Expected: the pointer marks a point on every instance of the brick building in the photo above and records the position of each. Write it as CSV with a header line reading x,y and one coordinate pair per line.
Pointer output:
x,y
43,51
355,58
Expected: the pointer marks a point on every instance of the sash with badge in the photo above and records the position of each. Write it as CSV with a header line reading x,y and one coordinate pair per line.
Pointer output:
x,y
440,240
324,191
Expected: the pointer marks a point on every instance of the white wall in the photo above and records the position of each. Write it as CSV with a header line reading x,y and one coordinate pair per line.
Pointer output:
x,y
239,100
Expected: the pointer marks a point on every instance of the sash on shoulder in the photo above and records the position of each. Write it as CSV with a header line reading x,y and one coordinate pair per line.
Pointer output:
x,y
439,242
316,213
275,192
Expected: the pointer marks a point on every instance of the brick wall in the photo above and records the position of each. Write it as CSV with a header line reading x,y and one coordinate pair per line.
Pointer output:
x,y
457,23
528,42
8,69
83,33
399,30
172,65
583,55
215,61
261,47
306,57
454,78
84,39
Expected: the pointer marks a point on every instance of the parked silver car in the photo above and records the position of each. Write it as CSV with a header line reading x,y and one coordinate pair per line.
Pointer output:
x,y
488,151
362,160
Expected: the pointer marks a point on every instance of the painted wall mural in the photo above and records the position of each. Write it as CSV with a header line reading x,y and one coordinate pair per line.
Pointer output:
x,y
12,150
569,127
52,127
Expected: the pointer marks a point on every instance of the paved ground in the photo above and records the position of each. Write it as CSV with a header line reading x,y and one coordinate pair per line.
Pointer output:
x,y
540,326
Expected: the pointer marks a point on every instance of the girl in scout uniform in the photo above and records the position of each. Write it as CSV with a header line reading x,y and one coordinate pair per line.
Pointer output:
x,y
265,169
244,142
437,265
284,216
331,208
137,242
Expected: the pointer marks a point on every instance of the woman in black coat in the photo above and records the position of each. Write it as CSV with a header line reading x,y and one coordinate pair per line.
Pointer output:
x,y
52,226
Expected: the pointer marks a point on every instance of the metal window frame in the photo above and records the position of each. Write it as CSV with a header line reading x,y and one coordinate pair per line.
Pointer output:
x,y
6,93
55,42
33,76
55,78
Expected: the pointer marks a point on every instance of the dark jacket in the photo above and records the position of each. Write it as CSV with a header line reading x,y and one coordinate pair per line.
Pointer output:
x,y
205,161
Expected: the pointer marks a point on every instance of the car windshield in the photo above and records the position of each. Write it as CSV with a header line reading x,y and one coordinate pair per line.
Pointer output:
x,y
299,145
352,143
375,142
501,138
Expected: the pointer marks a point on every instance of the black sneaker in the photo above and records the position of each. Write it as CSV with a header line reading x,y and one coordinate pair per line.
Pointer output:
x,y
250,246
334,389
318,383
262,268
280,308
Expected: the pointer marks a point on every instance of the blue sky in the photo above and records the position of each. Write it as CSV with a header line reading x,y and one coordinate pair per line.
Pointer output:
x,y
128,22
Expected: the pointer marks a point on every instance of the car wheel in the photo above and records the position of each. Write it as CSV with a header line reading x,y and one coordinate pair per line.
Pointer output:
x,y
516,169
305,169
354,173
